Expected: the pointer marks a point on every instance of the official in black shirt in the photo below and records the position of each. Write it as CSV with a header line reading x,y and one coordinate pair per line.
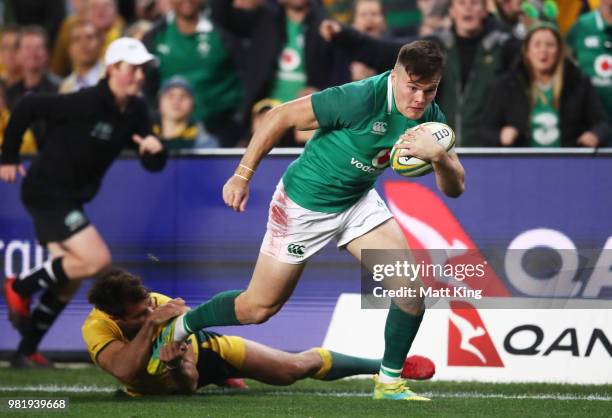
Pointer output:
x,y
86,131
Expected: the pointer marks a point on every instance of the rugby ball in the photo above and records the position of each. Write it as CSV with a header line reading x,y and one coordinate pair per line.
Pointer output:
x,y
408,166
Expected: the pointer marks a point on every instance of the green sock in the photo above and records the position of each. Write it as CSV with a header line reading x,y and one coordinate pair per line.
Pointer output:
x,y
217,312
400,330
336,365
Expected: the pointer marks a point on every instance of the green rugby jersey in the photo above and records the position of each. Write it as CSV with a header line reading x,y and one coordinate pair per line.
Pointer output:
x,y
545,129
359,124
591,41
204,60
291,73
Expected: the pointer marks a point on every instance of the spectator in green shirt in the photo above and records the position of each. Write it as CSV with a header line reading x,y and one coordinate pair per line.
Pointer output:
x,y
188,43
591,42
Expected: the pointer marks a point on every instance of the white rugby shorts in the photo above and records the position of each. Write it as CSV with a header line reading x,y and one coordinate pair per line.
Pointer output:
x,y
294,234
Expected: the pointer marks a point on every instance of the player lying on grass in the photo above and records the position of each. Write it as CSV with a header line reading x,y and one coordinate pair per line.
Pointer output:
x,y
126,336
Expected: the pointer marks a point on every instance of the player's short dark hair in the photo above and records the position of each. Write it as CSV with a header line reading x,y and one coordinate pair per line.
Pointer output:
x,y
421,59
114,289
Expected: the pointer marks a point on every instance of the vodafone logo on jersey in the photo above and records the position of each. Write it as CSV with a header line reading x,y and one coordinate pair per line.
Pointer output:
x,y
429,225
469,342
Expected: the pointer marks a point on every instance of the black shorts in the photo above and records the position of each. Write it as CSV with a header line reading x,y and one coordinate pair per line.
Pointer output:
x,y
212,367
57,221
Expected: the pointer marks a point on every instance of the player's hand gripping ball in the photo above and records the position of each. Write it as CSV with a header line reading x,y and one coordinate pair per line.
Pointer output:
x,y
409,166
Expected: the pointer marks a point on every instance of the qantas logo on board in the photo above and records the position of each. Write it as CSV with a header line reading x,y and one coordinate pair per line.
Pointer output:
x,y
469,342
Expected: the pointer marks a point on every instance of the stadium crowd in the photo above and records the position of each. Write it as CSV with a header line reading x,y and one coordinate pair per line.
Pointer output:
x,y
528,73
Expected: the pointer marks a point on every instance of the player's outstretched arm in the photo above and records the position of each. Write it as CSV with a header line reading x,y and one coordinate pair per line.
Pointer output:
x,y
128,361
297,114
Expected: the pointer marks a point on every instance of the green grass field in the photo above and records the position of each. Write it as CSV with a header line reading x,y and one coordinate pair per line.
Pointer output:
x,y
92,394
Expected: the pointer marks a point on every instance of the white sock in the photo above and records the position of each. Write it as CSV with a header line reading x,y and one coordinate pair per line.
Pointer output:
x,y
383,376
180,333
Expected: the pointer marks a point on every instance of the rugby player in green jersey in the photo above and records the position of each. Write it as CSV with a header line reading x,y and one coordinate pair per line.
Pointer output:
x,y
328,193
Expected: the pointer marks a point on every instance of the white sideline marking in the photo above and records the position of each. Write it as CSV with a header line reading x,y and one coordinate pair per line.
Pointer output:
x,y
473,395
58,388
